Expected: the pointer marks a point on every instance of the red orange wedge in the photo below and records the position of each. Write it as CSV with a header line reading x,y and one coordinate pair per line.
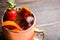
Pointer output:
x,y
12,24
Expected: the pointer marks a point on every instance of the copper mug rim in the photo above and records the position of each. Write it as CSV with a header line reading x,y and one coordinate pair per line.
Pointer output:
x,y
27,28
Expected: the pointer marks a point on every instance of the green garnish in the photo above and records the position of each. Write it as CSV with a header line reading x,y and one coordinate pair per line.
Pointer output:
x,y
11,3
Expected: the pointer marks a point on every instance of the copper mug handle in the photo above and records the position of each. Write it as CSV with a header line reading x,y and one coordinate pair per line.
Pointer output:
x,y
41,32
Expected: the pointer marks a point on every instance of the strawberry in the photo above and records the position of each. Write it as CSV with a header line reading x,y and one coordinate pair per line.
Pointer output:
x,y
11,14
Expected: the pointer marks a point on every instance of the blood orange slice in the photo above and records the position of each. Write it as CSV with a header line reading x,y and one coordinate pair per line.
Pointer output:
x,y
11,25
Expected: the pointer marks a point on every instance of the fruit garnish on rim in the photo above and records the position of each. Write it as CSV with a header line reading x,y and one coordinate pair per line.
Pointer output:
x,y
12,26
10,12
10,17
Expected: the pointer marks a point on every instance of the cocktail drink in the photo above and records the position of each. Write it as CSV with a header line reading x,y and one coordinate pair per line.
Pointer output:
x,y
23,28
19,24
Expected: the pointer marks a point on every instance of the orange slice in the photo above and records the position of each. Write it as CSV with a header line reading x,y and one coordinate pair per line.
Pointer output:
x,y
12,24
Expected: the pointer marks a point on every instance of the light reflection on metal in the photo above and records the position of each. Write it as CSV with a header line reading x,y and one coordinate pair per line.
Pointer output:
x,y
48,24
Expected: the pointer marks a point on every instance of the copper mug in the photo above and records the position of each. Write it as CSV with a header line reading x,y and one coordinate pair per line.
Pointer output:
x,y
27,34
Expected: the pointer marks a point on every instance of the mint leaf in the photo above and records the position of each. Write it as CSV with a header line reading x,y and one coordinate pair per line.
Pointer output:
x,y
11,3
